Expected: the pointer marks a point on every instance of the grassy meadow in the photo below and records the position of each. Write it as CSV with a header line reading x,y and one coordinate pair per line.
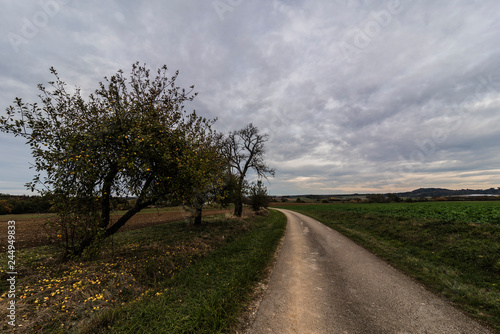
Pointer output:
x,y
175,278
451,247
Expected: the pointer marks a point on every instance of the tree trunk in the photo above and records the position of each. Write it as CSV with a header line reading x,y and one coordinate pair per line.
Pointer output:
x,y
111,230
238,200
106,195
123,219
83,245
198,209
197,216
238,206
139,205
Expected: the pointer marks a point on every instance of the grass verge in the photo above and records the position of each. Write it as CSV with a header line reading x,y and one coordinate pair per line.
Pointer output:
x,y
174,278
457,259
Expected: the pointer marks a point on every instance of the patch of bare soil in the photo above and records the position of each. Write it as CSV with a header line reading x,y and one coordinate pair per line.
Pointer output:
x,y
30,232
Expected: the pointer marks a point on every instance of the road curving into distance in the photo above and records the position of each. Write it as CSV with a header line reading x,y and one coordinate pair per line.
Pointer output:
x,y
325,283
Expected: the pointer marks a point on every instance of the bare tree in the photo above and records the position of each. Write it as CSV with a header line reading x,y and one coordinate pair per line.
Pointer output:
x,y
244,151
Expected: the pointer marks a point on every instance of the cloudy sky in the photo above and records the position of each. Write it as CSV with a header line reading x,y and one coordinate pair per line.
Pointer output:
x,y
356,95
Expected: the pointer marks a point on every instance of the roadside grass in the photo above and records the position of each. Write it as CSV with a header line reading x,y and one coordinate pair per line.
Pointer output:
x,y
458,258
175,277
207,297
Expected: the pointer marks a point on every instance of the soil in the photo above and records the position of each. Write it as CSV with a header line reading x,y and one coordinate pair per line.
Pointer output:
x,y
31,232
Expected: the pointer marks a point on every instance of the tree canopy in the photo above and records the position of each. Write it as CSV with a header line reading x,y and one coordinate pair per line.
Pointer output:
x,y
130,138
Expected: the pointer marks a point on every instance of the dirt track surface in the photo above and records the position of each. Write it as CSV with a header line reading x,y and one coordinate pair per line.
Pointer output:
x,y
325,283
30,232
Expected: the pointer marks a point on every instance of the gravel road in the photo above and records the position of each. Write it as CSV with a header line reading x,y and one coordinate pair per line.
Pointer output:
x,y
325,283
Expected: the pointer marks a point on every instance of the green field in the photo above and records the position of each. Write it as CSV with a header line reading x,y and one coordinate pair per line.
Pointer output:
x,y
452,247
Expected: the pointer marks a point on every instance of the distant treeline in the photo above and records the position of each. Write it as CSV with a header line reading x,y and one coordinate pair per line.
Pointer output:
x,y
440,192
418,195
12,204
18,204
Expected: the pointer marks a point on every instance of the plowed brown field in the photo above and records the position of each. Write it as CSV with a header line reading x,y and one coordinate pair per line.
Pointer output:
x,y
30,230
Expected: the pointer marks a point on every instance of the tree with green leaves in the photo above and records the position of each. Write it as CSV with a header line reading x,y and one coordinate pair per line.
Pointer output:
x,y
205,180
130,138
259,197
244,151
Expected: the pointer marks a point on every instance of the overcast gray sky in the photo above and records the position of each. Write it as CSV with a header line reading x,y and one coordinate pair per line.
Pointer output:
x,y
356,95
